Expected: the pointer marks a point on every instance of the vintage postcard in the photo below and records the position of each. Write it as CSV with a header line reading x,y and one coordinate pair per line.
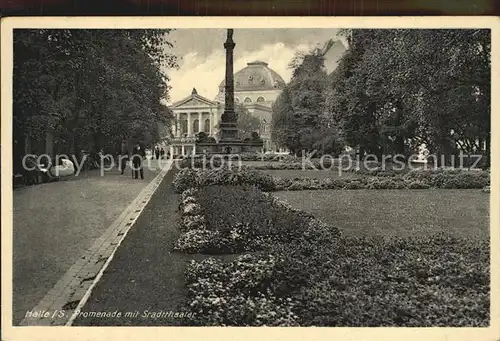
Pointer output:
x,y
250,172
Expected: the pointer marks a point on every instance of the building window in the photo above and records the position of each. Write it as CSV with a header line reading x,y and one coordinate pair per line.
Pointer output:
x,y
196,126
236,100
248,100
207,126
261,99
184,126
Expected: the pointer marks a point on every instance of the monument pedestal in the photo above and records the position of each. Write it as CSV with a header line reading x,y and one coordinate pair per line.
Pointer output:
x,y
230,147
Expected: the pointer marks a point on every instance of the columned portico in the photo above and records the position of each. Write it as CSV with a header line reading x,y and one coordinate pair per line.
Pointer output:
x,y
186,112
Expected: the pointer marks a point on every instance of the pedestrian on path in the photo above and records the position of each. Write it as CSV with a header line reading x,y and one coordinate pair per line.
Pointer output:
x,y
162,153
157,152
138,156
123,157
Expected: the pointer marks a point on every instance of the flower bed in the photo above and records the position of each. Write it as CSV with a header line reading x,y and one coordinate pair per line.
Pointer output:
x,y
301,272
232,219
188,178
417,179
435,281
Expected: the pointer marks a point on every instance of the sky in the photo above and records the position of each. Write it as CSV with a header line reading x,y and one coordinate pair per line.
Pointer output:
x,y
201,55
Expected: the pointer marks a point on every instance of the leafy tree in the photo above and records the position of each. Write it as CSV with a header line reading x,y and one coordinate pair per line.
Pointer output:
x,y
396,89
298,110
90,88
247,123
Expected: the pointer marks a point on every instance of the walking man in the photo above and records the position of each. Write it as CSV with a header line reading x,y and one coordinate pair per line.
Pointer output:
x,y
123,156
157,152
138,156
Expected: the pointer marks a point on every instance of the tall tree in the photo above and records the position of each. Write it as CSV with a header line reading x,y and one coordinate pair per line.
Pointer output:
x,y
396,89
247,123
298,110
90,88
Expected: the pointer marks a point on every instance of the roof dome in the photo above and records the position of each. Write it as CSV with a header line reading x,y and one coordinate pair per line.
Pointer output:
x,y
256,76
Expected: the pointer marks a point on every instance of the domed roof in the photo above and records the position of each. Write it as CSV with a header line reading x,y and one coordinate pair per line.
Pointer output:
x,y
256,76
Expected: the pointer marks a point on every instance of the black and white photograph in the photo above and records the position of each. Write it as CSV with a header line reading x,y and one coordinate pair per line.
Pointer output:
x,y
231,175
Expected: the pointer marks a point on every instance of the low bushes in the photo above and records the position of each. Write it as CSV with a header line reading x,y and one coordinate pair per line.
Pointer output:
x,y
207,162
451,178
187,178
229,219
349,282
419,179
301,272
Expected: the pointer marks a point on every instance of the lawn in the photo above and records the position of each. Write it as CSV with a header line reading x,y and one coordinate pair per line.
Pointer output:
x,y
398,212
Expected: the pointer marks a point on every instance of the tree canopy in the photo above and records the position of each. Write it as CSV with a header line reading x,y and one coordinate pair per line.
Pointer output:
x,y
90,88
394,90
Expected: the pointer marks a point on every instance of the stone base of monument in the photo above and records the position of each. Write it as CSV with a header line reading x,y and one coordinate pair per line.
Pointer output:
x,y
229,147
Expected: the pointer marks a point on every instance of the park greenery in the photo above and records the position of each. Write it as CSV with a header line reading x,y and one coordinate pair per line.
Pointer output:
x,y
290,269
393,90
89,89
247,124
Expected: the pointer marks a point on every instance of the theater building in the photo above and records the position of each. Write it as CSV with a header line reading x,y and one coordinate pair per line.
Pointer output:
x,y
256,87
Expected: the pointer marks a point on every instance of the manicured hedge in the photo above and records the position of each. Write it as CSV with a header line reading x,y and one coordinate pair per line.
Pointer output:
x,y
350,282
301,272
188,178
202,161
232,219
417,179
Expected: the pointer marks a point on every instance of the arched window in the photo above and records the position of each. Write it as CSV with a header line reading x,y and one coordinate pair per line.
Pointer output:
x,y
261,99
248,100
207,126
196,126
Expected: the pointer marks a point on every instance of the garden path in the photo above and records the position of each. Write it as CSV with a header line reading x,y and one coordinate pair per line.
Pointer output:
x,y
54,223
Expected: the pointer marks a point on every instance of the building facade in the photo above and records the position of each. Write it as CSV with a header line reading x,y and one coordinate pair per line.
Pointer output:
x,y
256,87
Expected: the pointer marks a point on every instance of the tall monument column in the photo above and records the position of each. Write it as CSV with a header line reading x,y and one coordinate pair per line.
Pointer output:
x,y
229,130
229,142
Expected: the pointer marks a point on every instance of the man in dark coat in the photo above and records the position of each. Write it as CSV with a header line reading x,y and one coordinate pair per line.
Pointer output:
x,y
138,156
123,156
157,152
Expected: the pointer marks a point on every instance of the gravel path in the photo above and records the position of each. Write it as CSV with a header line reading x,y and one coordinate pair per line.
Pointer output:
x,y
144,274
55,223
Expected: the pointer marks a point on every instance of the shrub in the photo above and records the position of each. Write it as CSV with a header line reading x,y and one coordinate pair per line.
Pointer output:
x,y
416,179
438,280
218,293
188,178
418,185
244,219
185,179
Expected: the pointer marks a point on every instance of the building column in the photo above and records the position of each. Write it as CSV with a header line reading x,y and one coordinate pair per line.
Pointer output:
x,y
171,152
177,125
194,149
200,122
182,150
211,125
190,125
